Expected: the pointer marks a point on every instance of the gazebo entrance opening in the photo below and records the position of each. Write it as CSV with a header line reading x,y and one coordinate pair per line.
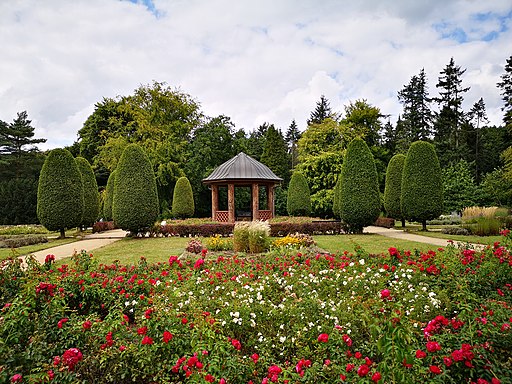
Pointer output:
x,y
242,189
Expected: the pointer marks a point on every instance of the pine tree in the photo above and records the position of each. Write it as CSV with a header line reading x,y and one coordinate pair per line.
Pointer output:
x,y
275,154
60,197
506,93
135,205
417,115
451,117
321,112
359,201
422,187
292,138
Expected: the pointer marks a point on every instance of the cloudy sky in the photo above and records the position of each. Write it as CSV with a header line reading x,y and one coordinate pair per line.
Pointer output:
x,y
255,61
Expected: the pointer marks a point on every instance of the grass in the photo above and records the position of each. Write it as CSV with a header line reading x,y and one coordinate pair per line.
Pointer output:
x,y
8,252
370,243
461,238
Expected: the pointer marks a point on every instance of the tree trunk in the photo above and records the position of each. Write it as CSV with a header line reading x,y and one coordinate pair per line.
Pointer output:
x,y
62,233
403,223
424,224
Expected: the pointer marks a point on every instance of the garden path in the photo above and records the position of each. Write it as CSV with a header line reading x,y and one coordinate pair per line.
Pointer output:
x,y
399,234
89,242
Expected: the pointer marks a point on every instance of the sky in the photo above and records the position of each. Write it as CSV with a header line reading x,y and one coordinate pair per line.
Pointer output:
x,y
254,61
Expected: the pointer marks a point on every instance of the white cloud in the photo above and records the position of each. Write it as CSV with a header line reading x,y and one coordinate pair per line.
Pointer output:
x,y
253,61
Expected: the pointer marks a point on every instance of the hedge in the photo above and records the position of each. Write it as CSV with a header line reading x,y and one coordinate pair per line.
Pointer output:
x,y
91,194
422,185
135,204
109,196
60,196
359,201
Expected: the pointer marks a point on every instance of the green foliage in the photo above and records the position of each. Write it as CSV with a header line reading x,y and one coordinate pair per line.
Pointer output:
x,y
135,203
60,196
336,199
359,198
241,237
506,93
496,189
18,201
459,189
299,199
393,188
91,194
275,153
322,203
364,120
422,186
183,199
109,197
322,111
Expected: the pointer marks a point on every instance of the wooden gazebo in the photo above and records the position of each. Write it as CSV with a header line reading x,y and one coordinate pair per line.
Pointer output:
x,y
242,171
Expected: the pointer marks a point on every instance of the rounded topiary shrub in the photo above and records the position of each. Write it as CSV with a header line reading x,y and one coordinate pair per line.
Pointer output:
x,y
299,197
359,201
91,194
422,186
393,187
60,196
135,203
183,199
109,197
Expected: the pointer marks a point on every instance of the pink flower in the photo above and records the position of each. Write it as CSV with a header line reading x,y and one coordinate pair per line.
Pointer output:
x,y
198,263
347,340
323,338
447,361
255,357
222,381
17,378
385,294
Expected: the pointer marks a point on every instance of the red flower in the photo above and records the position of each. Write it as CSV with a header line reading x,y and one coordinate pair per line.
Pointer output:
x,y
349,367
495,381
87,324
142,330
435,369
17,378
447,361
363,370
62,322
167,336
235,343
347,340
376,377
433,346
198,263
209,378
147,340
71,357
323,338
49,258
420,354
51,375
358,355
255,357
385,294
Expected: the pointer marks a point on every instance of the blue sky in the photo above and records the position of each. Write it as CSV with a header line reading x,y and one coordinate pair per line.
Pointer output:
x,y
264,61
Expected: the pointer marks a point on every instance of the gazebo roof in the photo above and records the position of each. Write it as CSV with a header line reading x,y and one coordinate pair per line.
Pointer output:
x,y
241,168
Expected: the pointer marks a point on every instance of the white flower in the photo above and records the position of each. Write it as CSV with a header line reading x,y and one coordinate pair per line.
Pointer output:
x,y
282,339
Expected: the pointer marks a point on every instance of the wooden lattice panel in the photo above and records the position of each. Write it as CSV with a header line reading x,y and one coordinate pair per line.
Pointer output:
x,y
264,215
222,216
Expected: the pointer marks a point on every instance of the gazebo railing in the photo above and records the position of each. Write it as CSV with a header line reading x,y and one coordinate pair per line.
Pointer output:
x,y
264,215
222,216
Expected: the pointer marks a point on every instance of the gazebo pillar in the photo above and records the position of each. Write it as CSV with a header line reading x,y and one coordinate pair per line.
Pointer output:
x,y
215,200
255,201
270,199
231,203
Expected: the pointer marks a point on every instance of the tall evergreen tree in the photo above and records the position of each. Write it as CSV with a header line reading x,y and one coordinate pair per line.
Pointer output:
x,y
292,138
364,119
322,111
256,141
451,116
91,194
393,188
506,93
275,154
417,115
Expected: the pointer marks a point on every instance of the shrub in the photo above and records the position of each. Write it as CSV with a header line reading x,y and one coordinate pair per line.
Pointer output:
x,y
393,186
91,195
299,198
194,246
456,231
60,197
422,187
310,228
446,220
386,222
241,237
359,193
485,226
101,226
259,231
21,241
109,196
219,243
135,203
183,199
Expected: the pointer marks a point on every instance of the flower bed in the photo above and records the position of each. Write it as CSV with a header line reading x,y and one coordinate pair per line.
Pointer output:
x,y
399,317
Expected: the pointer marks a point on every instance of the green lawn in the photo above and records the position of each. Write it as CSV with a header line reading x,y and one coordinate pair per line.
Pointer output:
x,y
8,252
370,243
460,238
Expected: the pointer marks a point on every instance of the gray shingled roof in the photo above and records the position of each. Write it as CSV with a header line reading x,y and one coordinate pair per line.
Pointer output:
x,y
242,167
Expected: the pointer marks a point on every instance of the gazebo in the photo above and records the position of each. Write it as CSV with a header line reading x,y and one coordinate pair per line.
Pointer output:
x,y
242,171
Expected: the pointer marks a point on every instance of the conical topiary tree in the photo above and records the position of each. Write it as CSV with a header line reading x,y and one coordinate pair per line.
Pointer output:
x,y
359,201
60,196
422,186
135,203
393,187
91,194
299,196
183,199
336,198
109,197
